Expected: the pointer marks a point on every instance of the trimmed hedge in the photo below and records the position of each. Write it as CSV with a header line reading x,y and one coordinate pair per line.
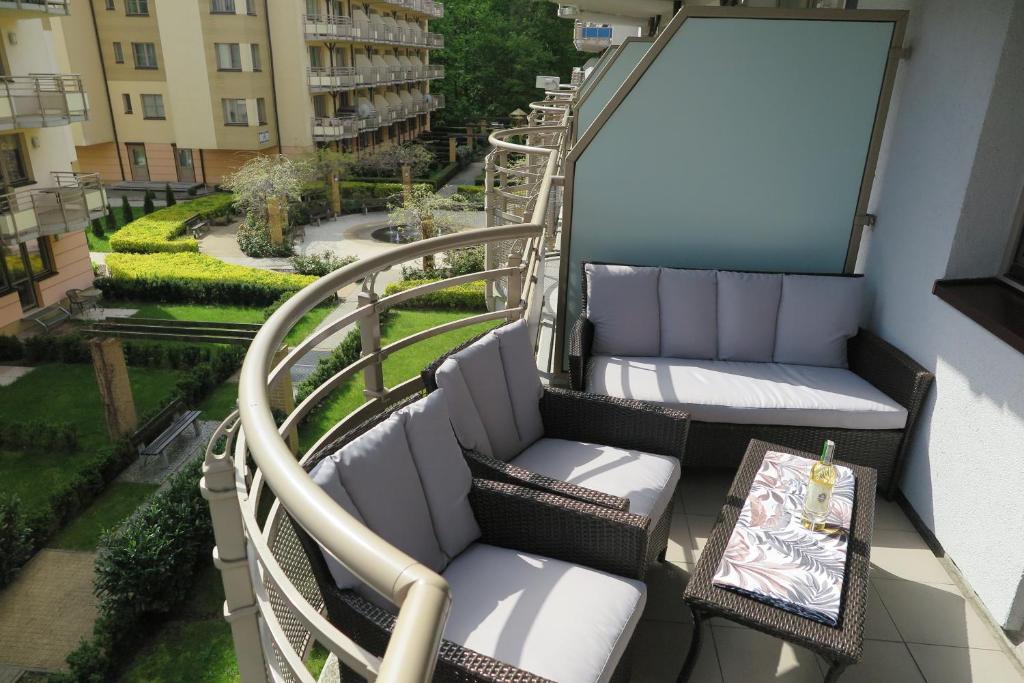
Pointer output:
x,y
194,278
38,435
361,190
15,538
161,231
467,297
11,348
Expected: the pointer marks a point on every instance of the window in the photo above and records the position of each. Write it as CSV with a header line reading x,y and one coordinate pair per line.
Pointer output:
x,y
21,264
315,59
229,57
222,6
136,8
250,7
320,106
153,107
257,65
14,170
145,55
118,53
235,113
127,100
261,111
110,4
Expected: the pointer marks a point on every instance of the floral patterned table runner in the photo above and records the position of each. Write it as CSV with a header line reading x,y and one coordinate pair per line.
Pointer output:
x,y
771,557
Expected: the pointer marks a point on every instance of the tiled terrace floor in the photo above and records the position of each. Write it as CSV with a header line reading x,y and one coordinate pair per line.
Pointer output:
x,y
919,626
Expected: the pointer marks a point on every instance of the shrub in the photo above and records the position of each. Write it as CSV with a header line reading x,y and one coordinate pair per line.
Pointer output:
x,y
253,237
126,209
466,297
191,192
194,278
147,203
97,227
473,193
160,231
15,538
321,263
169,199
456,262
38,435
67,348
11,348
344,354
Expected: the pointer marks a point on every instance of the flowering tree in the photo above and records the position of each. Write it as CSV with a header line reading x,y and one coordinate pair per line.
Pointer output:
x,y
390,160
330,166
425,213
266,179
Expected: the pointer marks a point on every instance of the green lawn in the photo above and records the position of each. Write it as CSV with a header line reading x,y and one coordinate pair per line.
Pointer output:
x,y
397,368
116,503
103,243
219,404
67,392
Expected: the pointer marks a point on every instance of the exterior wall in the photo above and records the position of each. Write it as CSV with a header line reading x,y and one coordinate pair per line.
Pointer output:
x,y
101,158
76,35
10,313
290,62
949,185
221,162
73,266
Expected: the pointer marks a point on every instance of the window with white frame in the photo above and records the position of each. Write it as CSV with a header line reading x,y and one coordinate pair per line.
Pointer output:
x,y
222,6
257,64
235,113
153,107
144,55
229,56
261,110
136,8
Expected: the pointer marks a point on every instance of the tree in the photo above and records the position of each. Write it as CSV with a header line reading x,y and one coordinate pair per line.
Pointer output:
x,y
169,199
97,227
147,203
426,214
494,50
111,220
331,166
264,177
388,162
126,209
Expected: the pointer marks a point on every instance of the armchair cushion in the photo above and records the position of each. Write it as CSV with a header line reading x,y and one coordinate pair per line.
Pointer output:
x,y
540,614
646,480
689,313
748,306
523,382
622,302
818,315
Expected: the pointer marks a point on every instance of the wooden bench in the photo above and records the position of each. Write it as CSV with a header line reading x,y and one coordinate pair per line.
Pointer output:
x,y
50,317
179,420
197,226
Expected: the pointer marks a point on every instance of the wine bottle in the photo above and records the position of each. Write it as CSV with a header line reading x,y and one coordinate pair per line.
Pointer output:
x,y
819,489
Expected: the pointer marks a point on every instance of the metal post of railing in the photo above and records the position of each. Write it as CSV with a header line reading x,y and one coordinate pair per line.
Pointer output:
x,y
230,556
515,281
369,336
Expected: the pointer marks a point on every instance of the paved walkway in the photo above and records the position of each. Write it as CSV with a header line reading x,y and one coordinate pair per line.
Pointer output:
x,y
47,610
466,176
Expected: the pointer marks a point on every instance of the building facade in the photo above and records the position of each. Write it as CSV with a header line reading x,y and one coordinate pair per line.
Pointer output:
x,y
44,205
195,88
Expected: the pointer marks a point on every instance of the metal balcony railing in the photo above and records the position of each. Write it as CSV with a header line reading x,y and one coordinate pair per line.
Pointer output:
x,y
61,8
273,605
41,100
436,102
369,122
65,207
431,71
324,78
329,129
334,27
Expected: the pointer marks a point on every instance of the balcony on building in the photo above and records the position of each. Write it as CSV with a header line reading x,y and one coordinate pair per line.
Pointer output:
x,y
592,37
330,78
332,129
30,8
436,102
68,205
372,28
41,101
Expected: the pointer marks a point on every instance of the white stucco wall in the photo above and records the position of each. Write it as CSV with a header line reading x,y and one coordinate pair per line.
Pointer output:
x,y
950,180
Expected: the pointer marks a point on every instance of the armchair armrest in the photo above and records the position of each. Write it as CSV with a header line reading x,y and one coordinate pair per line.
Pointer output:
x,y
489,467
893,372
612,421
565,529
581,341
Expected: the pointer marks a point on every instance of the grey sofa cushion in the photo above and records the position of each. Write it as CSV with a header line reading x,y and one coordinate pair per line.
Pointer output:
x,y
560,621
523,381
469,428
648,481
688,302
748,306
750,393
443,472
325,475
817,316
622,303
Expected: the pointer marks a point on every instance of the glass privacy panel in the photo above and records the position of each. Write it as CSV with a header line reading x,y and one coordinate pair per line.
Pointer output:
x,y
599,67
607,82
741,146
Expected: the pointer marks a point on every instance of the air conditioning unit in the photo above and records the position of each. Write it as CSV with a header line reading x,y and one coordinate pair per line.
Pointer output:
x,y
548,83
568,11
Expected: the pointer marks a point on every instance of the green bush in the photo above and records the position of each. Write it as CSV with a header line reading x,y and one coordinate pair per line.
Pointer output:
x,y
467,297
97,227
65,348
36,435
456,262
169,199
194,278
11,348
471,192
344,354
254,240
321,263
147,203
126,209
111,221
161,231
16,545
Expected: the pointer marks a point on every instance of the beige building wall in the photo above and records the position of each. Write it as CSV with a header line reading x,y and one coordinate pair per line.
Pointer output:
x,y
76,35
72,265
10,313
291,60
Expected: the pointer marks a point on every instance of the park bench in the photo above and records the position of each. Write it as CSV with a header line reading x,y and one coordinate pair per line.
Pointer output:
x,y
82,299
197,226
178,420
50,317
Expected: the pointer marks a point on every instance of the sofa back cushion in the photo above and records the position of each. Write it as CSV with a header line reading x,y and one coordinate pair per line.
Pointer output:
x,y
622,303
817,316
688,303
494,393
407,481
748,307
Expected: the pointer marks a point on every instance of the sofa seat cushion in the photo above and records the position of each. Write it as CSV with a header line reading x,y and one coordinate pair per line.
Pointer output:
x,y
561,621
749,393
646,480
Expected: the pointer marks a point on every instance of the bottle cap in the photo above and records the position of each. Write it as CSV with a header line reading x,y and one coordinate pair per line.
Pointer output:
x,y
828,451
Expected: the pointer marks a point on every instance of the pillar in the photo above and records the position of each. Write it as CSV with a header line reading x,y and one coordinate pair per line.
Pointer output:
x,y
335,196
471,137
282,398
277,215
406,183
115,389
453,150
427,230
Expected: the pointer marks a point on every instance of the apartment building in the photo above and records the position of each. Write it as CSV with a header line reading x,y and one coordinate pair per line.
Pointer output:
x,y
44,205
194,88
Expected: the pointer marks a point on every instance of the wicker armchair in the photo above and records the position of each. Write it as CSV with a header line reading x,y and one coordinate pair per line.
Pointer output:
x,y
641,429
722,444
509,517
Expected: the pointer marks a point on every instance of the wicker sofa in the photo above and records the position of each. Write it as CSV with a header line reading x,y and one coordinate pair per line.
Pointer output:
x,y
543,587
778,357
608,451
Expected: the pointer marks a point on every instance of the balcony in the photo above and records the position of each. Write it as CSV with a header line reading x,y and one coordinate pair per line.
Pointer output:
x,y
328,78
28,8
41,101
334,27
331,129
592,38
436,102
68,206
433,71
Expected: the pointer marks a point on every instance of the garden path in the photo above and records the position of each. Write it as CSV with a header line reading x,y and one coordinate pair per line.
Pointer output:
x,y
10,373
466,176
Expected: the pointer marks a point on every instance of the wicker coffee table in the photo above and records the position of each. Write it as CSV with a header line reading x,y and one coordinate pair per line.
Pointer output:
x,y
840,645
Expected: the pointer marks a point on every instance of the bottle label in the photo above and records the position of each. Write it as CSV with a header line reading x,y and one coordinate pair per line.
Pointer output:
x,y
818,498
